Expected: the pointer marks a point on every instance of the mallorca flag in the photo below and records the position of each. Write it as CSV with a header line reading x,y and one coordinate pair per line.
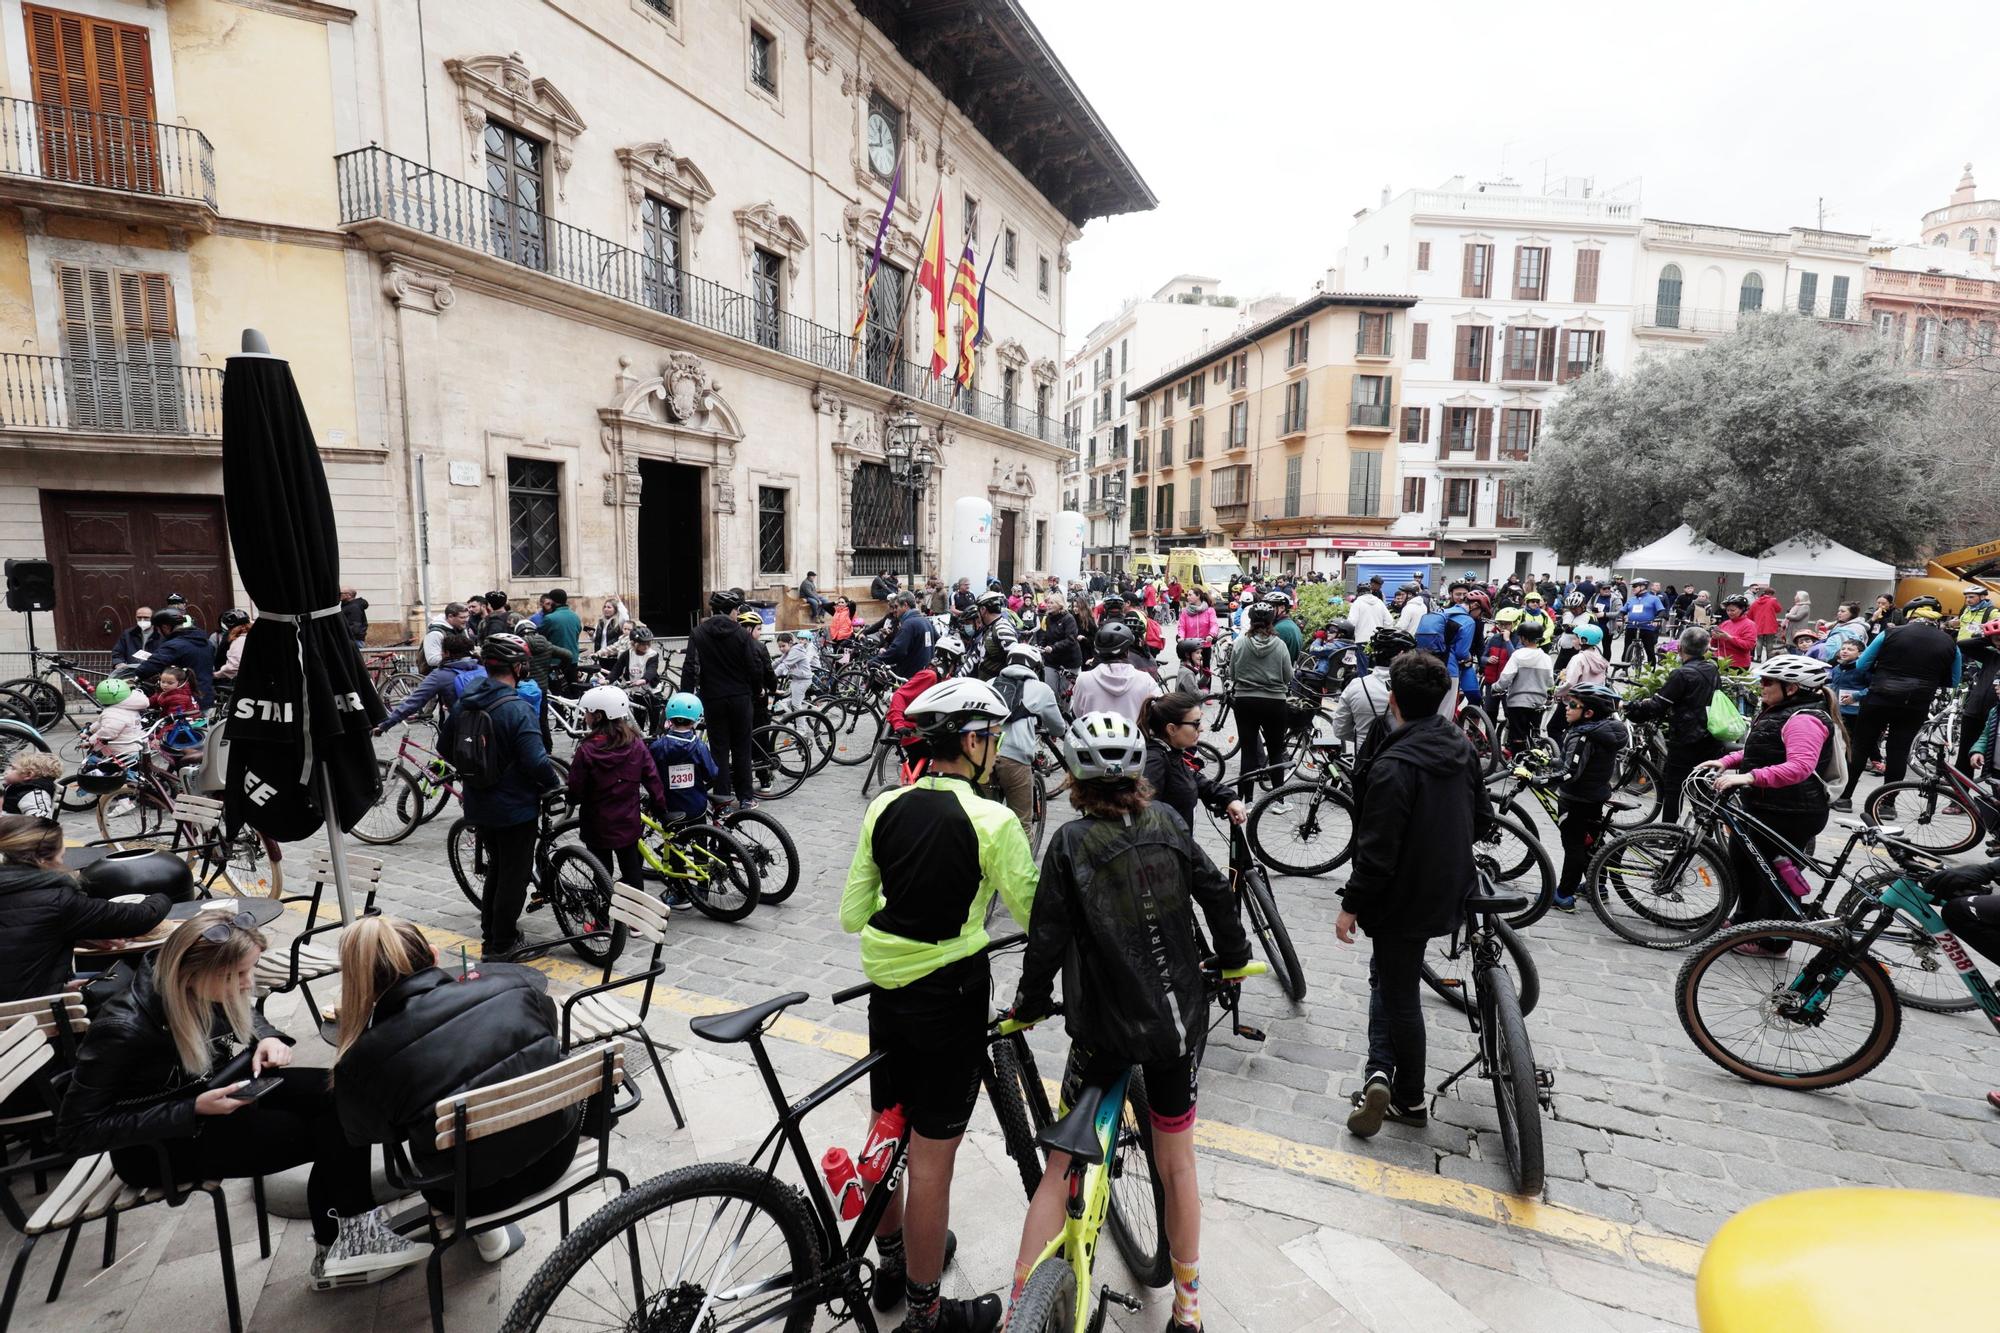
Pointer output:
x,y
875,259
965,295
930,280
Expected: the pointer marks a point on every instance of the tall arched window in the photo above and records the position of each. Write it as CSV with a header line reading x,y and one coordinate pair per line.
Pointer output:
x,y
1971,239
1667,311
1751,295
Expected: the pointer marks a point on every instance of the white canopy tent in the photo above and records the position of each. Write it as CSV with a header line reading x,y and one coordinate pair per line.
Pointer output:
x,y
1827,571
1681,558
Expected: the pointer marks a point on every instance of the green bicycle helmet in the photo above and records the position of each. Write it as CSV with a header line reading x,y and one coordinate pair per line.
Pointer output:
x,y
112,692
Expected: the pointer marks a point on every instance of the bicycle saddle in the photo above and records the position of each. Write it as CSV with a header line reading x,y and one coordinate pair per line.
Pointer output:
x,y
1495,904
1076,1133
743,1023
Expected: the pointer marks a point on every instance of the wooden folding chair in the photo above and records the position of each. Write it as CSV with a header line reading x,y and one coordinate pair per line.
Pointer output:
x,y
61,1019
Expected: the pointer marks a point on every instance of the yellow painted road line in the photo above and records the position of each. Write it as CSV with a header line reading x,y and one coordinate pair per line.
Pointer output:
x,y
1350,1170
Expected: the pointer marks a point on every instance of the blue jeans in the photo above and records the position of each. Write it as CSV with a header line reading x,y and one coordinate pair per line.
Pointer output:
x,y
1396,1016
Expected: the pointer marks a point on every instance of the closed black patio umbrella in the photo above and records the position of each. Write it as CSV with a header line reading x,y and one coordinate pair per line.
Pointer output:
x,y
298,746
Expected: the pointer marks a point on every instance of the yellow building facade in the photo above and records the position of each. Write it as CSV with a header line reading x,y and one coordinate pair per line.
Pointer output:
x,y
1277,441
164,184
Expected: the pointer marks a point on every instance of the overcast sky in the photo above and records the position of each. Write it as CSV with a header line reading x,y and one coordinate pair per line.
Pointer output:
x,y
1262,125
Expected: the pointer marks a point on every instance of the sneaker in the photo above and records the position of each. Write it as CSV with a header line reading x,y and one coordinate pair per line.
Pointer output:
x,y
889,1276
1370,1105
1398,1114
497,1244
981,1314
1763,948
1281,807
1176,1326
366,1250
1563,904
490,953
1842,805
1993,1100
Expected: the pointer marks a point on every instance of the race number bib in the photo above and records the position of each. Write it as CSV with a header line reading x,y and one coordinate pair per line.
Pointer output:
x,y
680,777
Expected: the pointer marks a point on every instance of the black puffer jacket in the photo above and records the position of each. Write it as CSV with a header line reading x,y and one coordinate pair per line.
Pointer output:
x,y
1058,639
1115,911
434,1036
1682,703
129,1087
1912,665
43,913
1590,761
723,661
1177,786
1413,842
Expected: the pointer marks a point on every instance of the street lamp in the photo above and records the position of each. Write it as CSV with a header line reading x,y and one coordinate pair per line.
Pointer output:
x,y
911,458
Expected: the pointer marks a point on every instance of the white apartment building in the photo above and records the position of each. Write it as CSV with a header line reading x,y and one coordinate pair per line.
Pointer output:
x,y
1518,294
1695,281
1127,349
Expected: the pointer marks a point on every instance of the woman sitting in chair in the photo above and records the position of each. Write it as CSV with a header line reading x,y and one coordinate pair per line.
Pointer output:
x,y
44,914
413,1034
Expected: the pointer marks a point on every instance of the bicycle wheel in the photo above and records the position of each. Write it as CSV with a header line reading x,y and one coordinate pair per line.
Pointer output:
x,y
468,863
129,815
783,759
1636,782
1478,728
1446,975
16,705
816,728
855,730
1517,1089
720,1246
1660,886
1038,807
1931,815
1048,1301
883,766
578,889
393,817
1218,723
1301,828
1003,1094
398,687
771,848
717,872
1272,935
1138,1213
1923,977
43,699
1788,1021
1516,858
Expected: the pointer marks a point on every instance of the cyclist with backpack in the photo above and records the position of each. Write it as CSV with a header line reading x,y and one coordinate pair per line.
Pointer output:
x,y
1032,712
493,738
442,685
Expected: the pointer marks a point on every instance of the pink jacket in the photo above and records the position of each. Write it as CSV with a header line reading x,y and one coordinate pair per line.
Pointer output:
x,y
1198,624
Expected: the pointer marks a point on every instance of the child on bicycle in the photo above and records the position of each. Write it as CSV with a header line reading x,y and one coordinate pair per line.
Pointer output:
x,y
1115,911
797,665
120,730
686,770
1591,742
174,696
607,775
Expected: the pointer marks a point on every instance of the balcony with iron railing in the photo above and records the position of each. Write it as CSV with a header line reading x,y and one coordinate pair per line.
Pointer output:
x,y
83,396
74,160
1682,319
384,195
1369,416
1231,515
1191,519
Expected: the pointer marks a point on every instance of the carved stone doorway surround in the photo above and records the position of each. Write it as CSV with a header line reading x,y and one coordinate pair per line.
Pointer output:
x,y
1013,488
857,439
676,416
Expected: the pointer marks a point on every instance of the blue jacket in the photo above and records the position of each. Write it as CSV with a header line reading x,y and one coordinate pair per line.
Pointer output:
x,y
445,684
1851,679
1643,610
525,771
910,651
1461,649
684,749
187,649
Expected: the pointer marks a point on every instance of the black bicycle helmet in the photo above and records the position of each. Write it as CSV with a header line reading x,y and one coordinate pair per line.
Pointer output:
x,y
508,650
1737,599
1920,604
1598,699
1263,615
1387,644
169,619
724,600
1341,629
640,634
233,617
1114,640
1413,588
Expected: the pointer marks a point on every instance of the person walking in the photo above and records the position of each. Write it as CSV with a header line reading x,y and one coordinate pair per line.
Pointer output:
x,y
1764,612
1905,667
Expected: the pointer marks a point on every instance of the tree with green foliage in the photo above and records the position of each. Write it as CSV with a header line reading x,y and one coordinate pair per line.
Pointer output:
x,y
1783,425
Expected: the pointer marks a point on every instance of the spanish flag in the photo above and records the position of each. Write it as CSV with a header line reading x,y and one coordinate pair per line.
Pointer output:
x,y
930,280
965,295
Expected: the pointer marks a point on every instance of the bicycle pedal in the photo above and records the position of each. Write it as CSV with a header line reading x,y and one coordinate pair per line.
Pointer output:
x,y
537,903
1452,983
1107,1293
1249,1033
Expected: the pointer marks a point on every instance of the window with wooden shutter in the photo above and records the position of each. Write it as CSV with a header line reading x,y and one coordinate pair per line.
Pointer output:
x,y
1458,497
1586,275
93,88
120,343
1473,348
1485,432
1420,342
1423,256
1477,276
1531,265
1413,495
1416,425
1519,427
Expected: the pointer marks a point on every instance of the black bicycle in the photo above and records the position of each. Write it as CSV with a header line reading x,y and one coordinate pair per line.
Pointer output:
x,y
571,882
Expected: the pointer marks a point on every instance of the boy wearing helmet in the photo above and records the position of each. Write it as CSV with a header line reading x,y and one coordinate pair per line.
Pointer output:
x,y
1115,913
1592,737
1587,666
1032,713
930,858
686,769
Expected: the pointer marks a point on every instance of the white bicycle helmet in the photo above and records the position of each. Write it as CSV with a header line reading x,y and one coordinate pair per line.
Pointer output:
x,y
1030,655
953,705
609,700
1573,601
1807,673
950,645
1104,745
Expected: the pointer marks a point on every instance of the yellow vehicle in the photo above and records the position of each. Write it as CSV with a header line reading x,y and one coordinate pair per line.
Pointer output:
x,y
1945,576
1207,567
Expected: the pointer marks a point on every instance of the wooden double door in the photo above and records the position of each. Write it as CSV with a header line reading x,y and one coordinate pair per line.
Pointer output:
x,y
115,553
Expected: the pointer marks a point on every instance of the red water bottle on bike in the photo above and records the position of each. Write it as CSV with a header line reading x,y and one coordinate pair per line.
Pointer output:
x,y
843,1183
881,1147
1789,876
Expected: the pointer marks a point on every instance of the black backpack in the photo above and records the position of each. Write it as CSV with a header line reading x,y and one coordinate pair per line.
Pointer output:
x,y
471,747
1012,690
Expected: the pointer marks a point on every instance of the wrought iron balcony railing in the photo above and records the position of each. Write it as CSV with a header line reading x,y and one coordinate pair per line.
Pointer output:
x,y
125,397
122,153
376,185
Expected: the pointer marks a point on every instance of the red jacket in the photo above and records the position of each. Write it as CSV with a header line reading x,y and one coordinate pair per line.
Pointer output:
x,y
906,694
175,701
1764,612
1735,640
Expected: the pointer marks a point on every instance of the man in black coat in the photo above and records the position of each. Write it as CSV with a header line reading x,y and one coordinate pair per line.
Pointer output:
x,y
354,614
726,668
184,646
1411,874
139,637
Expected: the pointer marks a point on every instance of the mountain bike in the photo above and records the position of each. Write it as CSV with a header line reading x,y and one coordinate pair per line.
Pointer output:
x,y
772,852
724,1245
1635,795
1252,888
782,759
1503,1054
45,688
703,860
1947,812
1809,1004
565,877
417,783
1669,886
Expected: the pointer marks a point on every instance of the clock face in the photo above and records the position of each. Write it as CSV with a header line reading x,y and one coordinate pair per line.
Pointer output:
x,y
881,143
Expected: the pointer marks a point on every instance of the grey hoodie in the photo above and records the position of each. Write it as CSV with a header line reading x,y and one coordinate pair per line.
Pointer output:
x,y
1112,687
1261,666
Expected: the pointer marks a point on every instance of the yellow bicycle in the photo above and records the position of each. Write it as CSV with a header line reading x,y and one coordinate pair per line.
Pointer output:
x,y
709,864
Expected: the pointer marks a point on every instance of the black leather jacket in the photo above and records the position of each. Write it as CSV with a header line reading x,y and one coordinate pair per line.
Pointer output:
x,y
43,913
129,1086
1178,787
1115,911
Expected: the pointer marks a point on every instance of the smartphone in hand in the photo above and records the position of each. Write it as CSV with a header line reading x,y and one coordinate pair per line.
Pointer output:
x,y
255,1088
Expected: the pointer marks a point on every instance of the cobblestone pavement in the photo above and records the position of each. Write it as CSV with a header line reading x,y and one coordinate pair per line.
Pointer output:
x,y
1649,1146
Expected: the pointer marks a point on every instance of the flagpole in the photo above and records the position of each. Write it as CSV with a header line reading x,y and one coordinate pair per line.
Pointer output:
x,y
873,270
910,291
